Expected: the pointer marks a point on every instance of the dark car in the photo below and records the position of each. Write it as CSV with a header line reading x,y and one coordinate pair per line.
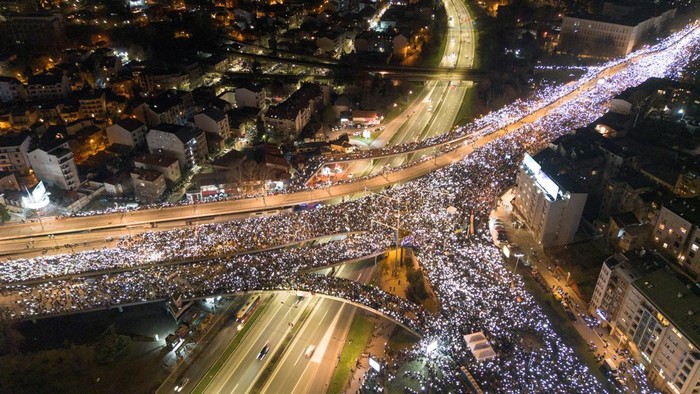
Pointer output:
x,y
263,351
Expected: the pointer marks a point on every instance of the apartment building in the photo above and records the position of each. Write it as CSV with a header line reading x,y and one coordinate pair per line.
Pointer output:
x,y
55,166
128,132
548,203
41,31
14,152
149,185
292,115
173,106
215,121
185,143
168,166
677,233
48,87
11,90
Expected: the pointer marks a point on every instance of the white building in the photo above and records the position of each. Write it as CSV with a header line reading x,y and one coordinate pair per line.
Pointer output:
x,y
659,321
213,120
614,32
14,152
677,233
252,95
48,87
55,167
185,143
168,166
11,90
173,106
550,209
128,131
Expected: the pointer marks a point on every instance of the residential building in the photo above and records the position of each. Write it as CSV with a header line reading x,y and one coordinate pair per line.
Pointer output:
x,y
38,31
168,166
626,232
614,32
149,185
48,87
292,115
11,90
677,233
55,166
251,95
186,143
548,203
173,106
616,275
213,120
8,181
129,132
91,104
14,152
659,322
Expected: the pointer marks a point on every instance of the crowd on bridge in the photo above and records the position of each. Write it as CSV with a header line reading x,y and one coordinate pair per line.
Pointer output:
x,y
477,292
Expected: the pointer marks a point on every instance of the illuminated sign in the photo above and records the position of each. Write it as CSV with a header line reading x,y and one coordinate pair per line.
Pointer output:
x,y
545,182
374,364
37,199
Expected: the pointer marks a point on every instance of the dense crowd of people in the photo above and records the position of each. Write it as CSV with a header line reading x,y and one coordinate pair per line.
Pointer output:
x,y
476,291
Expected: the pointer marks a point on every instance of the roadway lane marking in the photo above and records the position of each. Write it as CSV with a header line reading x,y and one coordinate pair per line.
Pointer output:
x,y
321,320
299,358
321,348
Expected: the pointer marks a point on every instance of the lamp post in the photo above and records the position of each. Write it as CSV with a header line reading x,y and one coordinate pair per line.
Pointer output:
x,y
398,221
517,262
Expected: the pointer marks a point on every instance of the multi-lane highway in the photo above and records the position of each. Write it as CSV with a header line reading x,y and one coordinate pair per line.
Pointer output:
x,y
437,106
326,326
433,112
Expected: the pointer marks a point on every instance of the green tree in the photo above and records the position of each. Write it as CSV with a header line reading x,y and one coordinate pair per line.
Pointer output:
x,y
4,215
111,346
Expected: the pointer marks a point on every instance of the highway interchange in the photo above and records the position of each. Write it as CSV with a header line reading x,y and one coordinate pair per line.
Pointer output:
x,y
246,375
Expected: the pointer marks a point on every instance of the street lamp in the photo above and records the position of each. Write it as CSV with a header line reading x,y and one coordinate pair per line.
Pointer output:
x,y
398,221
517,262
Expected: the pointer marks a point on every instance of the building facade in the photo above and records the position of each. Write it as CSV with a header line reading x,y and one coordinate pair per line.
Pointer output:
x,y
128,132
185,143
55,167
168,166
149,186
677,233
550,210
14,152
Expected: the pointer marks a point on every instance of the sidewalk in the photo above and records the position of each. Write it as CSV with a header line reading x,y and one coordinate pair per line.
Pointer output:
x,y
375,348
540,262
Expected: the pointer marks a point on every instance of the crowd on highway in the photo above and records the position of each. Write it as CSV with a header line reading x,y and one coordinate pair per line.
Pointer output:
x,y
476,290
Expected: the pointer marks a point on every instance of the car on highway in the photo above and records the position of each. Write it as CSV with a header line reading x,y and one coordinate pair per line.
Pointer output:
x,y
309,351
181,384
263,352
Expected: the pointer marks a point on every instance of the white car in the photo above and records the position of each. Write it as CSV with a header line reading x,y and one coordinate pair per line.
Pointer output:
x,y
309,351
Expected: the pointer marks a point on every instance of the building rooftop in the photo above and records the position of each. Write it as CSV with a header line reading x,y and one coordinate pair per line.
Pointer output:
x,y
624,219
165,101
129,124
17,139
155,160
184,133
147,175
289,108
687,208
678,301
214,113
46,79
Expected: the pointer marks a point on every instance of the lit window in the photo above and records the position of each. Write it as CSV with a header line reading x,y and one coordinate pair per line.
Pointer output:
x,y
665,245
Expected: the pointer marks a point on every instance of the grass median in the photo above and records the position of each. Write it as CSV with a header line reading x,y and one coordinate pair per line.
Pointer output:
x,y
358,336
219,363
